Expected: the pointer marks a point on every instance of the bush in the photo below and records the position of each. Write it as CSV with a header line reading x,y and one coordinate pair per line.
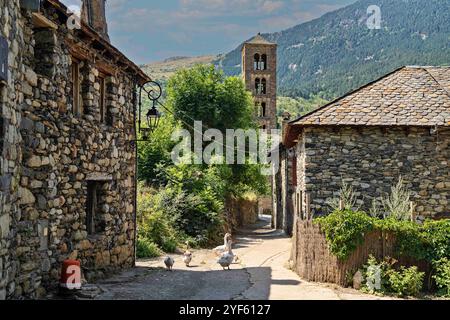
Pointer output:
x,y
345,230
436,238
442,276
347,196
381,277
195,216
397,204
158,230
409,239
147,249
374,273
406,281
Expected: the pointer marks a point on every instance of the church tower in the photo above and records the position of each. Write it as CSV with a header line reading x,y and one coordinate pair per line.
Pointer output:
x,y
259,69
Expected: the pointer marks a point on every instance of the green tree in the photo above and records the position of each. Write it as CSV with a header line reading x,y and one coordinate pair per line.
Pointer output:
x,y
191,198
203,93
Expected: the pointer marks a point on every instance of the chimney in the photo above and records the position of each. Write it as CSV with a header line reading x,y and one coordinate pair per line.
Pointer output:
x,y
93,13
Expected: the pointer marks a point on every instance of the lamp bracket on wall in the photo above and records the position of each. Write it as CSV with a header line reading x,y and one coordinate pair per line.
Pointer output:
x,y
149,92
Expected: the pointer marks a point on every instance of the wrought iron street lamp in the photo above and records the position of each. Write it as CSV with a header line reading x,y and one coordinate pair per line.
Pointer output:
x,y
153,91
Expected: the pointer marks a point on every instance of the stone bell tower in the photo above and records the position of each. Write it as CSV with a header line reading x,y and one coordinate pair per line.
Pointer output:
x,y
259,69
93,13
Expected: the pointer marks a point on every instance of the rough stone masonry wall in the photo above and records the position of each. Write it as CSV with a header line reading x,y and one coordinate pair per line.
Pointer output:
x,y
10,149
371,160
48,157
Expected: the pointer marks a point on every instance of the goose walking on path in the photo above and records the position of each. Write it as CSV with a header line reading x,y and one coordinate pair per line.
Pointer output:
x,y
169,262
221,249
227,258
187,256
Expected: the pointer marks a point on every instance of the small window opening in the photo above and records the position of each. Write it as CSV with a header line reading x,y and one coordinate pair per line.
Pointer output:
x,y
102,101
95,222
76,91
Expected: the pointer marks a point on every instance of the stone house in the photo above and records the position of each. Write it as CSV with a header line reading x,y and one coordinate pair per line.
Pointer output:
x,y
67,151
398,125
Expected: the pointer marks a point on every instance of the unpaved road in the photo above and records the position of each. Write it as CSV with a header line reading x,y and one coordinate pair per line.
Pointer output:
x,y
261,273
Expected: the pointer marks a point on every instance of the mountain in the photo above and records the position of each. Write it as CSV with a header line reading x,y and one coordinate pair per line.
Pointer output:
x,y
336,53
162,71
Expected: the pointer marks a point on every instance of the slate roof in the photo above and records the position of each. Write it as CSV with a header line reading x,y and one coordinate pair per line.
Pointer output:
x,y
259,39
409,96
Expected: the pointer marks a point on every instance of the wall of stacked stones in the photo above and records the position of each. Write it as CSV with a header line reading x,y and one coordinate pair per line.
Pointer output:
x,y
313,260
49,155
278,177
371,160
10,149
287,194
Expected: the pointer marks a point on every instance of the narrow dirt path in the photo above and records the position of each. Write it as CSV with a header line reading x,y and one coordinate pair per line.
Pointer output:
x,y
260,273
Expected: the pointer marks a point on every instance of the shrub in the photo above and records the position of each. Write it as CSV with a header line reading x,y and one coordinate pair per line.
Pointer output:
x,y
397,204
345,230
347,196
147,249
158,230
442,276
436,238
409,240
374,273
169,245
381,277
406,281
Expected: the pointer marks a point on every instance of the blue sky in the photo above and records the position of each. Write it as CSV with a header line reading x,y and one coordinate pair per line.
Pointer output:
x,y
149,30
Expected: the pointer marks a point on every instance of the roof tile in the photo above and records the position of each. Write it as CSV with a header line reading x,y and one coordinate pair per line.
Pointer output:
x,y
408,96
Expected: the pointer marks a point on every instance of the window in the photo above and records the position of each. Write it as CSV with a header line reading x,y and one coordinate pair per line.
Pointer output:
x,y
263,63
256,62
263,109
94,222
260,62
260,86
76,92
294,171
263,86
102,102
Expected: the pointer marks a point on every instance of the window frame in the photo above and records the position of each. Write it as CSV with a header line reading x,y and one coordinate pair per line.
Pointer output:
x,y
77,101
102,102
91,206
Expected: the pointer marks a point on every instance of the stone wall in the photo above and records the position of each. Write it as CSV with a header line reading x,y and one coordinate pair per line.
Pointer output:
x,y
50,155
11,26
371,159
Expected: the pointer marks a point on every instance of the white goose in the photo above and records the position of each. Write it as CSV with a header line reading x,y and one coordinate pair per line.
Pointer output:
x,y
187,257
221,249
169,262
227,258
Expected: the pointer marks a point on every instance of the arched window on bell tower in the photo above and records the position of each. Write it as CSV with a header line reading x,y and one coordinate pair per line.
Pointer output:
x,y
256,62
263,86
258,85
263,63
263,109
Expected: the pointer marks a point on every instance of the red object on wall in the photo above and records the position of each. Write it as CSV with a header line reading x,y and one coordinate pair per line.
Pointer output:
x,y
71,275
294,172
